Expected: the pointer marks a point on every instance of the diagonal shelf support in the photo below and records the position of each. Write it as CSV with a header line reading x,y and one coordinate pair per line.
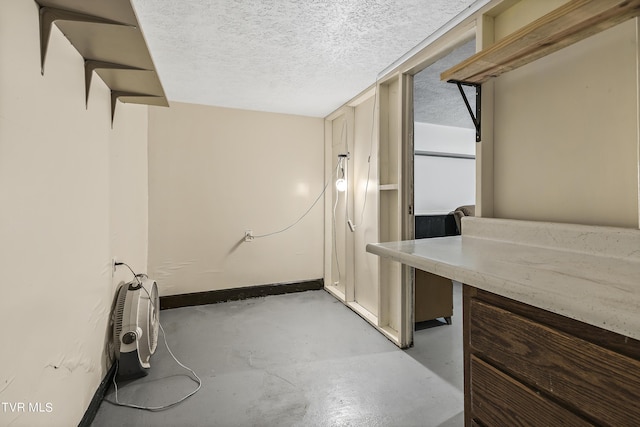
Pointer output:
x,y
120,94
91,65
49,15
475,118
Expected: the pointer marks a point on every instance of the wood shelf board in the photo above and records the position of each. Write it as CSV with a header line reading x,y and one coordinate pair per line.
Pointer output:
x,y
566,25
108,36
108,43
115,10
140,81
388,187
159,101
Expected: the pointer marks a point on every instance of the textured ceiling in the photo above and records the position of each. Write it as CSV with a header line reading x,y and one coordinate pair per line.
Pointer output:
x,y
304,57
438,102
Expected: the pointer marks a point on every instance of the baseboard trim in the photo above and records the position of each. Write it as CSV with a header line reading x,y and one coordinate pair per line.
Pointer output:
x,y
236,294
92,410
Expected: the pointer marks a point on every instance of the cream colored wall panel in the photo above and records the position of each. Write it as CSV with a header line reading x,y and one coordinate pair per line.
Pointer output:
x,y
484,148
389,302
214,173
129,189
522,13
389,210
55,225
329,169
341,269
566,134
365,207
389,132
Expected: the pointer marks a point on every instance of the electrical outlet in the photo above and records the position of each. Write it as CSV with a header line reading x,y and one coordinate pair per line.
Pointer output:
x,y
113,266
248,236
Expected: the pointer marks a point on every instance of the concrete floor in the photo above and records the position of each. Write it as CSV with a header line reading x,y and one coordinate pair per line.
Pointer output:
x,y
296,360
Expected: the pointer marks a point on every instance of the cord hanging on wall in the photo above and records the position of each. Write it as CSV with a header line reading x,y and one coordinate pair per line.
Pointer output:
x,y
341,184
249,236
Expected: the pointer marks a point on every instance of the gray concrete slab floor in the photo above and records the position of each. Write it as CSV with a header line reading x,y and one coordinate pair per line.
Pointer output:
x,y
300,359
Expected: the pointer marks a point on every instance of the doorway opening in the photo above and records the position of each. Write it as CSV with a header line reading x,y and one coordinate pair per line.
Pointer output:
x,y
443,191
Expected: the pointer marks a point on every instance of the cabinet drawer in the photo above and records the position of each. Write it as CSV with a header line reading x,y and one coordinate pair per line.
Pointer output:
x,y
499,400
589,379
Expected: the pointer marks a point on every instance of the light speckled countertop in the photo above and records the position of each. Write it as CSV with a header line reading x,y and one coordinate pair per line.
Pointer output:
x,y
587,273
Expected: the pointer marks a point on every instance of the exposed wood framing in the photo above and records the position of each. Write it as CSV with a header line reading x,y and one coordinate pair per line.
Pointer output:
x,y
564,26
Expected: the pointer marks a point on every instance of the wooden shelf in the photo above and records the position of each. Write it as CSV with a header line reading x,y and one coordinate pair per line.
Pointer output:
x,y
108,36
388,187
568,24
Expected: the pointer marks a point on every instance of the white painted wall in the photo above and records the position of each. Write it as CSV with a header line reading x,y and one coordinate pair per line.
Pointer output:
x,y
341,239
566,132
443,184
216,172
444,139
64,177
365,212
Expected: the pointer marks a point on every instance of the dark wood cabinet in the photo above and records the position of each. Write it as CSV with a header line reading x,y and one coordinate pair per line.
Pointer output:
x,y
528,367
433,297
433,293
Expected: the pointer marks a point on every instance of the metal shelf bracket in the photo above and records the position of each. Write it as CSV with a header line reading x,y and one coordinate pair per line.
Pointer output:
x,y
49,15
91,65
474,117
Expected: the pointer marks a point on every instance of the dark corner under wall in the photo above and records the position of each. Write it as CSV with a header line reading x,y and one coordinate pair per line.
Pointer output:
x,y
92,410
235,294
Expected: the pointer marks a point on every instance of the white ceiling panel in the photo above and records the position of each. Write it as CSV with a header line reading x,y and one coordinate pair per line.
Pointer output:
x,y
286,56
438,102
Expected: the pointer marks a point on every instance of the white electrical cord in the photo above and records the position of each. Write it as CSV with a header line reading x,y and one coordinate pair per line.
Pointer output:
x,y
197,379
373,122
335,239
326,185
345,165
346,142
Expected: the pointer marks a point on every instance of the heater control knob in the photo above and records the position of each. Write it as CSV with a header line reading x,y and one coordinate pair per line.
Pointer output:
x,y
129,338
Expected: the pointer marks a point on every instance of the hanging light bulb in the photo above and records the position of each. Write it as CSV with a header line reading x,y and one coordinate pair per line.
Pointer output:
x,y
341,183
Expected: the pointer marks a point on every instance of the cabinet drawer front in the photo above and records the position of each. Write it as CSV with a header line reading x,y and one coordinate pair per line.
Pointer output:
x,y
603,384
499,400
